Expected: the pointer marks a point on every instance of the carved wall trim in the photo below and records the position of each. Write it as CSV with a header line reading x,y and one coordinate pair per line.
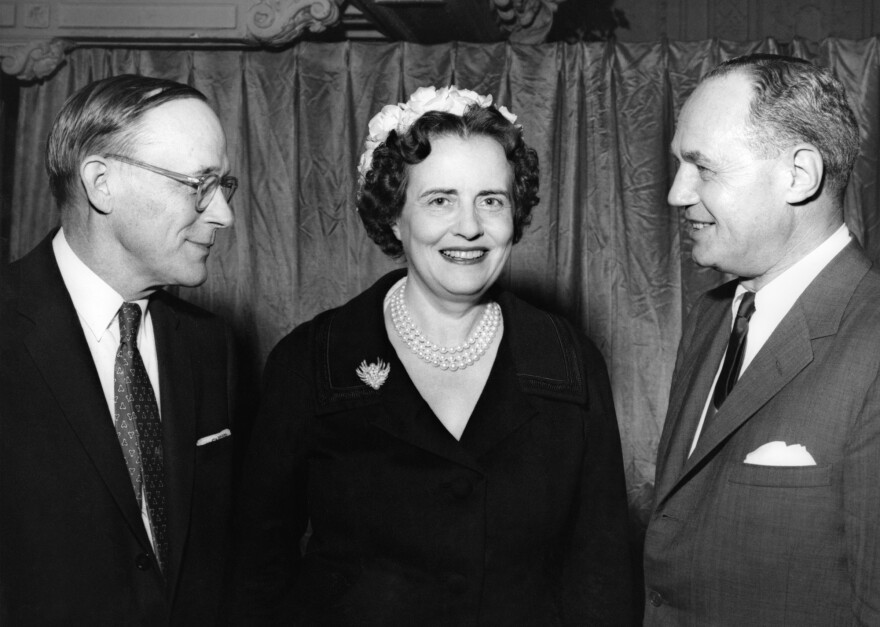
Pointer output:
x,y
527,21
35,35
33,60
279,22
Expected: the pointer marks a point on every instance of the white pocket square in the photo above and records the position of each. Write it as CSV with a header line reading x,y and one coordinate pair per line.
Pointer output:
x,y
778,454
213,438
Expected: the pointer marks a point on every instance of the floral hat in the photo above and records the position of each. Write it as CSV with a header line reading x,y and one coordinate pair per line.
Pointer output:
x,y
399,117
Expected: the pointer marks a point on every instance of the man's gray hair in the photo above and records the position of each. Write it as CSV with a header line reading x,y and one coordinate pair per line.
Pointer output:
x,y
101,118
795,101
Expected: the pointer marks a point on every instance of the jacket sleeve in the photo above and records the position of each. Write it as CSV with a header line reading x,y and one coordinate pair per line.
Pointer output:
x,y
597,581
272,514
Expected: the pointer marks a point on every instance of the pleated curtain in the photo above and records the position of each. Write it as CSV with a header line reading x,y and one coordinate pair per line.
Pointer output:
x,y
604,248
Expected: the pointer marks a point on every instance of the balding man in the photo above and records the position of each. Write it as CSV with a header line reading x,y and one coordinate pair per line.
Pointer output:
x,y
115,447
767,510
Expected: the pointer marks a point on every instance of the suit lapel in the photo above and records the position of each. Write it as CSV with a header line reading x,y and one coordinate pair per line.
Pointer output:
x,y
405,415
502,408
176,385
538,357
354,333
817,313
546,364
688,397
60,352
787,352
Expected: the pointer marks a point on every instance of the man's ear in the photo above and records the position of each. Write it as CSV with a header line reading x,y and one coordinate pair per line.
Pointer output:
x,y
806,169
95,176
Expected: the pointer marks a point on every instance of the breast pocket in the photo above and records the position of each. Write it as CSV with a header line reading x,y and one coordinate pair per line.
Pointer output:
x,y
214,464
781,476
212,485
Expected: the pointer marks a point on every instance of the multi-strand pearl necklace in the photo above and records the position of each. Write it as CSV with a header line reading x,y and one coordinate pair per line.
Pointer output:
x,y
443,357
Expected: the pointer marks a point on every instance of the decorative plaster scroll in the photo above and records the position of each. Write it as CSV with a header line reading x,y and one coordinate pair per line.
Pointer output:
x,y
33,60
528,21
279,22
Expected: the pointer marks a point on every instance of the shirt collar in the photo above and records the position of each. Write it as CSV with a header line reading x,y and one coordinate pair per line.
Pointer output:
x,y
95,302
781,293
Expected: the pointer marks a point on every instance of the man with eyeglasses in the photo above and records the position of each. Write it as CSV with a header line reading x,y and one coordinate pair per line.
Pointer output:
x,y
115,396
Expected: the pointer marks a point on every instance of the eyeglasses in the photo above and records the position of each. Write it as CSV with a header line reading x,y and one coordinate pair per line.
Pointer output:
x,y
205,185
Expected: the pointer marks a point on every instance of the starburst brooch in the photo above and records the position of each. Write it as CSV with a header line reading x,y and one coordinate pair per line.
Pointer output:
x,y
373,375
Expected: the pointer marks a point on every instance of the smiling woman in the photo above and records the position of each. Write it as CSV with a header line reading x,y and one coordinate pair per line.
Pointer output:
x,y
454,449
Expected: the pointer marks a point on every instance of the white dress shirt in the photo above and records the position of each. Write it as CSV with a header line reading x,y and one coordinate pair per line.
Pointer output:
x,y
97,306
775,300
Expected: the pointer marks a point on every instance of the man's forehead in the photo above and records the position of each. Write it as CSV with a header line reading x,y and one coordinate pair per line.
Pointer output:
x,y
186,128
717,108
186,119
182,111
730,93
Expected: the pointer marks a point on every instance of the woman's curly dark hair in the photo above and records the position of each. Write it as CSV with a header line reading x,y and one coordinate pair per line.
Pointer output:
x,y
383,190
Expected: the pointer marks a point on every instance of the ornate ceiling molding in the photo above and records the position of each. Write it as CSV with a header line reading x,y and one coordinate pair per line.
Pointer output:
x,y
527,21
280,22
34,60
36,35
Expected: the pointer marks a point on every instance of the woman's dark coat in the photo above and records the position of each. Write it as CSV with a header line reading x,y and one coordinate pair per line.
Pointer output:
x,y
521,522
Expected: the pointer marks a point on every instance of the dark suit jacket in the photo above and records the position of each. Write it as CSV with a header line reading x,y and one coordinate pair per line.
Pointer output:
x,y
737,544
521,522
73,548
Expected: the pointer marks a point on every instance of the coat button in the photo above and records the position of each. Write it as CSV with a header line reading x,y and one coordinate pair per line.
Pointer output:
x,y
461,488
656,598
143,562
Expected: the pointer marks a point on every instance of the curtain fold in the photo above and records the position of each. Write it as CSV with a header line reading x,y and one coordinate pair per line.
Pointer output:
x,y
604,248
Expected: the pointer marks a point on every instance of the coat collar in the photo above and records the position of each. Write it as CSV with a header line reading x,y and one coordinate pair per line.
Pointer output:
x,y
57,346
179,418
817,313
691,386
56,343
536,358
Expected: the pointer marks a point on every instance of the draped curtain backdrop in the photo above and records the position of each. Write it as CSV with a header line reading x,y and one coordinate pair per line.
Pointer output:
x,y
604,248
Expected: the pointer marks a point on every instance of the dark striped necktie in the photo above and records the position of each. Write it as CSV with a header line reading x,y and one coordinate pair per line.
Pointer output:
x,y
736,350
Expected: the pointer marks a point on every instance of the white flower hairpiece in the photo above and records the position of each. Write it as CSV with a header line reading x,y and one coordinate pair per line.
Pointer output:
x,y
401,116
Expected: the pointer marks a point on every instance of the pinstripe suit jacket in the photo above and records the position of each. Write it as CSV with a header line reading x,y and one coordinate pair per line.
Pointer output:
x,y
736,544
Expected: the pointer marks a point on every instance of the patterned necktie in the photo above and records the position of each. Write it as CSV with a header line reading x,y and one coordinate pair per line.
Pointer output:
x,y
138,427
736,349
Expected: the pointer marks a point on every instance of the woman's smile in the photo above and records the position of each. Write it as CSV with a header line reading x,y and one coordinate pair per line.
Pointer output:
x,y
465,256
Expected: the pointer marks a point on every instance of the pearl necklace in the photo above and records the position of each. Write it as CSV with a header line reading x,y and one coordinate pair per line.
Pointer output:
x,y
443,357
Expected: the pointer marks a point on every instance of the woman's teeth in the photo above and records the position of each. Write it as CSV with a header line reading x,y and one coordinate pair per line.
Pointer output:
x,y
464,254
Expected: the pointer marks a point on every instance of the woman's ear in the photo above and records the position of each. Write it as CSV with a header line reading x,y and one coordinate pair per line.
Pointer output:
x,y
396,230
95,176
806,168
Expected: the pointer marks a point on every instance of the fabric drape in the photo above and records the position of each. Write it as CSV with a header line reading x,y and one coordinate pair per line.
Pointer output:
x,y
604,248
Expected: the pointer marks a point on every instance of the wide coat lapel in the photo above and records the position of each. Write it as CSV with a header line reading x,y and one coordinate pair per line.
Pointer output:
x,y
179,414
355,333
56,343
786,353
537,356
817,313
691,387
502,407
